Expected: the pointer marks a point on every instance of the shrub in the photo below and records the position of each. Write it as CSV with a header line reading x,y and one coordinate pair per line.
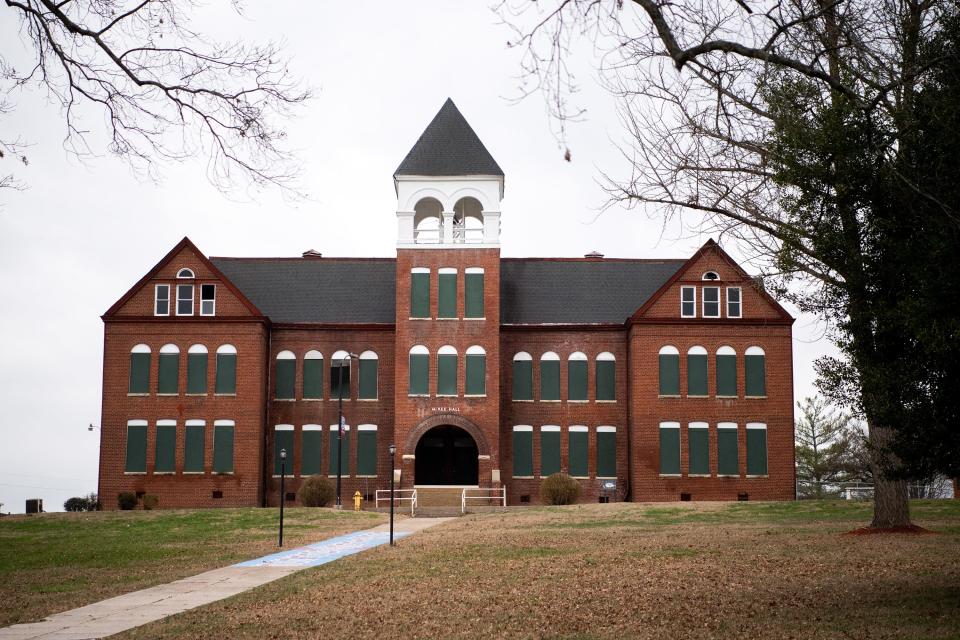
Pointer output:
x,y
559,489
127,500
93,502
89,502
150,501
316,491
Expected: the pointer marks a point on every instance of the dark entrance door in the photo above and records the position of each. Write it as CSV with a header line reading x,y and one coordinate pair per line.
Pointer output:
x,y
446,455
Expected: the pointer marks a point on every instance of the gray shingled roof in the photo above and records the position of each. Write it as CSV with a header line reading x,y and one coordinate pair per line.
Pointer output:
x,y
317,290
448,147
532,291
578,291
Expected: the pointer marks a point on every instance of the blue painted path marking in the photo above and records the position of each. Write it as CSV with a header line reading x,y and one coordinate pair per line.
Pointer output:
x,y
326,551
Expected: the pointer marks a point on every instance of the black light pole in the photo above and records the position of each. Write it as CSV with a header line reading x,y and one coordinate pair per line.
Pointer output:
x,y
283,459
393,451
340,425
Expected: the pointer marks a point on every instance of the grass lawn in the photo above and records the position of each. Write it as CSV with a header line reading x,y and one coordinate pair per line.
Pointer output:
x,y
58,561
693,570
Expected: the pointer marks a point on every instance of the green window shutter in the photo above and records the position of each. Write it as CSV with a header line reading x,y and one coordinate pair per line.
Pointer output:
x,y
313,378
755,375
726,375
669,374
285,380
136,448
473,296
549,379
696,374
283,439
226,382
165,454
576,379
193,448
311,445
606,454
339,372
728,455
196,373
447,300
670,450
606,380
368,379
446,375
523,380
698,451
419,295
367,452
756,451
522,453
168,373
419,374
139,373
334,453
476,383
223,448
578,459
549,452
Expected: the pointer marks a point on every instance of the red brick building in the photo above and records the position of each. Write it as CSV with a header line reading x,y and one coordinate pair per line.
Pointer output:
x,y
644,379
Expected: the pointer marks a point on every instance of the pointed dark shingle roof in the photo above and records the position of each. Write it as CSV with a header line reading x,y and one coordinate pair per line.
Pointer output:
x,y
448,147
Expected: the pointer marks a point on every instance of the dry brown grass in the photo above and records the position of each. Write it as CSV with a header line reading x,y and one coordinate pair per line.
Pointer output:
x,y
58,561
616,571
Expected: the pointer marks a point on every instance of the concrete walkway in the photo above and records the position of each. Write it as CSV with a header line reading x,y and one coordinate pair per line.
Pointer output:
x,y
124,612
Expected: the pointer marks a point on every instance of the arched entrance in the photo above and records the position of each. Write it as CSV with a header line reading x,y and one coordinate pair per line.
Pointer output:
x,y
446,455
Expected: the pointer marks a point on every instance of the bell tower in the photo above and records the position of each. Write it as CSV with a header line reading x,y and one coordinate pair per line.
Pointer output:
x,y
447,357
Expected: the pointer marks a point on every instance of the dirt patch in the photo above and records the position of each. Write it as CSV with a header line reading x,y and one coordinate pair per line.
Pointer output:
x,y
912,530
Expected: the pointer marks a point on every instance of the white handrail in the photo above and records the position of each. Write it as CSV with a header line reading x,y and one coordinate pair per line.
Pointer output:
x,y
398,497
500,495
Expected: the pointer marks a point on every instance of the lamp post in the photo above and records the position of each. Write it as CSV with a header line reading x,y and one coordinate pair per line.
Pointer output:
x,y
393,451
349,356
283,459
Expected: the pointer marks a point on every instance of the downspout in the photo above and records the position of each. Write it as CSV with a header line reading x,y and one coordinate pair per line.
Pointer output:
x,y
266,416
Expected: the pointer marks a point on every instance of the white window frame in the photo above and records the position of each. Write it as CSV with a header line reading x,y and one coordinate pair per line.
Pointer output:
x,y
156,299
703,303
694,290
185,273
185,286
739,302
213,311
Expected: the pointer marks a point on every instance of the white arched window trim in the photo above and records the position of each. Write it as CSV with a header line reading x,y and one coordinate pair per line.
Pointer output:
x,y
522,356
197,348
606,356
447,350
550,355
140,348
726,350
185,274
286,355
696,350
169,348
578,355
419,350
227,349
668,350
754,351
340,355
476,350
710,276
447,271
474,270
369,355
313,354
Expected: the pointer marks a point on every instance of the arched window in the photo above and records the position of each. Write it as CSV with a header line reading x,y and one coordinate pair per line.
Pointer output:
x,y
419,371
726,372
313,379
710,275
522,376
340,372
446,371
447,293
197,370
549,377
286,376
476,382
367,388
755,372
426,221
139,370
168,370
420,292
669,371
697,371
185,273
577,377
606,377
468,220
226,376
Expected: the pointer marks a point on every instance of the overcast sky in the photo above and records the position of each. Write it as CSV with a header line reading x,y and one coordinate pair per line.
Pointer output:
x,y
84,232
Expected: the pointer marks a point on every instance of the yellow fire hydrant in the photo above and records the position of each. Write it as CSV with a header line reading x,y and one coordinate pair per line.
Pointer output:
x,y
357,499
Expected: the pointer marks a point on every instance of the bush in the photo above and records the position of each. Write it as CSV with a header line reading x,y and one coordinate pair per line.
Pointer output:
x,y
559,489
127,500
316,491
150,501
89,502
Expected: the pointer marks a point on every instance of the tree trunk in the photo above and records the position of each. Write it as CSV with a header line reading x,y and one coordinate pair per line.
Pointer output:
x,y
891,506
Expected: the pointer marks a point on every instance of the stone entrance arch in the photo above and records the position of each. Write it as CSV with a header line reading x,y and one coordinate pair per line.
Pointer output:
x,y
440,419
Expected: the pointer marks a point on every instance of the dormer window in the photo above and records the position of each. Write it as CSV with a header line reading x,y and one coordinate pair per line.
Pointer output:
x,y
208,299
711,302
710,275
688,302
184,299
185,274
161,300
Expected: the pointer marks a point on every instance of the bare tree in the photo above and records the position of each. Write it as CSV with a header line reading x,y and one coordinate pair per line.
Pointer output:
x,y
165,91
693,80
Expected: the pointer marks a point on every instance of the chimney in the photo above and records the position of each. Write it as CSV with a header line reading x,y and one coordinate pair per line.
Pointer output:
x,y
312,253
